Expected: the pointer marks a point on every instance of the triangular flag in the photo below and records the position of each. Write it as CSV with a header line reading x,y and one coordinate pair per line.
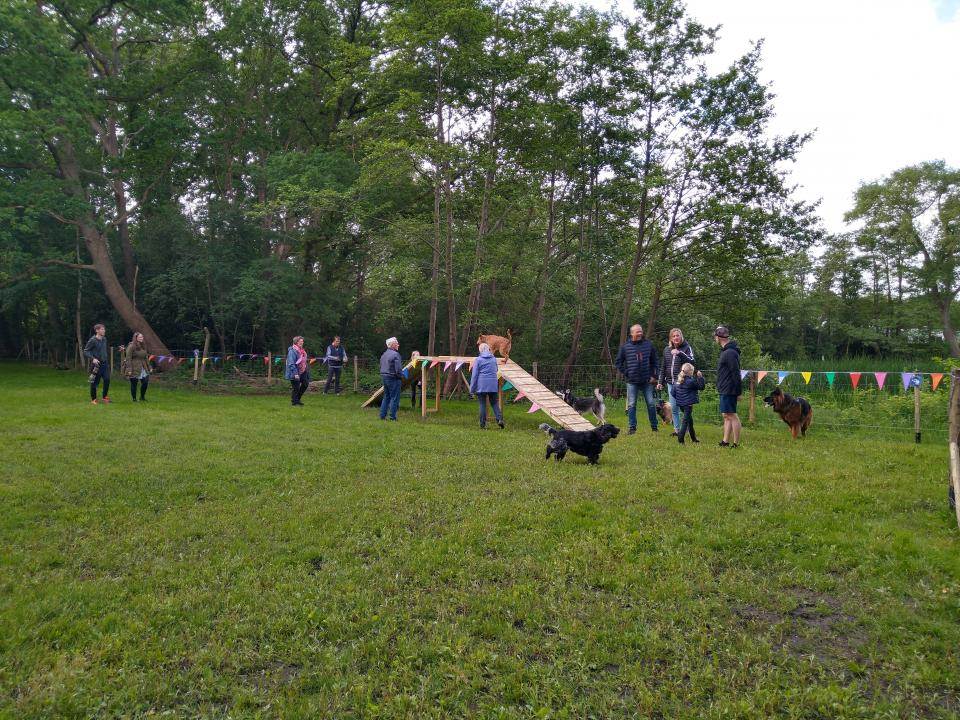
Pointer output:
x,y
447,364
854,379
159,359
151,357
936,377
533,408
881,378
830,377
313,360
806,377
519,396
781,375
434,364
424,361
508,385
744,373
459,364
761,374
204,361
406,372
499,375
907,379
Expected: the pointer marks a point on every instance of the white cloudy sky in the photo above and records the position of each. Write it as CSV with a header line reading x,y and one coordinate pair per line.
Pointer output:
x,y
878,81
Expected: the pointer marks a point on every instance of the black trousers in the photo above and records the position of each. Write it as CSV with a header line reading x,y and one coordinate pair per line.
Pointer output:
x,y
102,372
299,387
143,387
333,376
686,425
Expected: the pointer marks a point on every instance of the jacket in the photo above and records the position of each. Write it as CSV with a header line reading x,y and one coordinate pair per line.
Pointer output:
x,y
483,377
137,361
637,361
728,370
96,349
688,391
670,367
390,364
291,368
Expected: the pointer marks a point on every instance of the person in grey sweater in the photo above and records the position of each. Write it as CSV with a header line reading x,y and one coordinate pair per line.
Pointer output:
x,y
391,372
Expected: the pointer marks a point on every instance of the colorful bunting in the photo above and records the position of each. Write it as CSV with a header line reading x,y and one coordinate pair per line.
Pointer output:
x,y
830,377
533,408
806,377
907,380
881,378
854,379
743,374
508,385
761,374
936,377
781,375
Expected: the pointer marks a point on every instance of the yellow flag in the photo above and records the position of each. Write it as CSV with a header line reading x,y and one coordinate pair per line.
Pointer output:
x,y
806,377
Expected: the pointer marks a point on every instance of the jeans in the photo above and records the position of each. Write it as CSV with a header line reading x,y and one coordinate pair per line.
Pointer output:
x,y
674,408
687,425
634,389
299,387
103,371
333,376
143,387
391,397
494,403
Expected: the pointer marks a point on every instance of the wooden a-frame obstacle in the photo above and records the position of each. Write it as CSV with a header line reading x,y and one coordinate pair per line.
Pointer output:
x,y
510,372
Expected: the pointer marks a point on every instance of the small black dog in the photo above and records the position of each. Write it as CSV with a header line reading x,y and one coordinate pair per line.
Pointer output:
x,y
588,443
593,404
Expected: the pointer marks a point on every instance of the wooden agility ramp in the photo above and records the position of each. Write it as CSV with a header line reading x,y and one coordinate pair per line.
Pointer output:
x,y
510,371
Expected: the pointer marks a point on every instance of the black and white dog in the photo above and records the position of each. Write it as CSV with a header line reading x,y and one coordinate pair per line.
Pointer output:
x,y
593,404
588,443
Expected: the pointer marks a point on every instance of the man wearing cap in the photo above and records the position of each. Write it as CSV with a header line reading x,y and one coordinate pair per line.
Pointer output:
x,y
391,372
729,385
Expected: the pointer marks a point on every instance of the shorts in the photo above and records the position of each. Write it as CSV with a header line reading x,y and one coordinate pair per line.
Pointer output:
x,y
728,403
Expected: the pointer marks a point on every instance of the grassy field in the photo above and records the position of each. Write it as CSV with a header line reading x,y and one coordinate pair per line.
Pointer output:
x,y
224,556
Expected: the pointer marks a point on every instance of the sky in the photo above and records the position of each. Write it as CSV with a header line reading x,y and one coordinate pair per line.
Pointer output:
x,y
876,81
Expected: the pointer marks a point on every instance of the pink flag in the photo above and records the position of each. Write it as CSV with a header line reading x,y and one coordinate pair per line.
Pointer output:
x,y
761,374
881,378
519,396
447,364
533,408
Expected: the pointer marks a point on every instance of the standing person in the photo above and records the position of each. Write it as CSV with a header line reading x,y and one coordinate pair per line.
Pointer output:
x,y
336,357
391,372
483,384
638,363
297,370
675,354
729,386
687,388
97,352
137,367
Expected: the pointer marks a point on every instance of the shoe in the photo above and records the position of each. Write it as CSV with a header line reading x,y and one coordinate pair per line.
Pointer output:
x,y
723,443
680,440
93,402
143,399
734,446
106,399
674,433
483,427
133,399
695,440
631,431
654,429
500,423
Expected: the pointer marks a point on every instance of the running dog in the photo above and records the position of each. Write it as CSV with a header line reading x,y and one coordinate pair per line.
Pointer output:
x,y
594,404
588,443
498,343
794,411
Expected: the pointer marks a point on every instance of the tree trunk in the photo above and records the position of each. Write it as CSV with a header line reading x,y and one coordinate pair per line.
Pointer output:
x,y
949,332
540,302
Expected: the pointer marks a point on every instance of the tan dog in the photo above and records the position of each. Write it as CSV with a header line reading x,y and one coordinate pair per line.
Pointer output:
x,y
498,343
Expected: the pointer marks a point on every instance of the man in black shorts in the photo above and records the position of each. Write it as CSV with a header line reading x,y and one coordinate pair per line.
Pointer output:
x,y
729,386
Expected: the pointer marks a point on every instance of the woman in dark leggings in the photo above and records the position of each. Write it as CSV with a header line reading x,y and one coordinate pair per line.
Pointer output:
x,y
138,367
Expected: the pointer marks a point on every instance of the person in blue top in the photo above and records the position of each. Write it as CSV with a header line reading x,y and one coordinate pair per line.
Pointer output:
x,y
484,384
391,372
297,370
639,364
686,391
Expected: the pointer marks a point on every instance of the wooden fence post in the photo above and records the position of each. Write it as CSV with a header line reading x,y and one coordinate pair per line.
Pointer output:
x,y
269,368
111,360
916,412
356,376
753,398
196,365
534,373
954,431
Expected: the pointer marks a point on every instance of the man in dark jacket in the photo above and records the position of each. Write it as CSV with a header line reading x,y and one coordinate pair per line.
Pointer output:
x,y
391,372
638,363
729,386
335,358
675,354
97,352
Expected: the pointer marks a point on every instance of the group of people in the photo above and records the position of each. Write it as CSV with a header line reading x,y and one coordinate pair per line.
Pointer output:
x,y
646,371
135,365
297,369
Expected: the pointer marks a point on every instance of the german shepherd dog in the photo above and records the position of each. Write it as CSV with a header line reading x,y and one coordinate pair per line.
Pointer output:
x,y
794,411
594,404
588,443
498,343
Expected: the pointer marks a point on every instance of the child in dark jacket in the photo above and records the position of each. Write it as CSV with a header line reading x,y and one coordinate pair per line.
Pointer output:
x,y
686,391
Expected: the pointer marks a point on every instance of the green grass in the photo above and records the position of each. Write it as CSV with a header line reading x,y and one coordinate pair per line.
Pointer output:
x,y
224,556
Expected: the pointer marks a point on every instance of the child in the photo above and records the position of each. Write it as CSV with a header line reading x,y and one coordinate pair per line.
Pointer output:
x,y
686,392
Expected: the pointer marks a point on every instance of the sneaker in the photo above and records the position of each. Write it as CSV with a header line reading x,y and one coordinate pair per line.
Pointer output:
x,y
93,402
680,440
631,431
734,446
723,443
674,433
654,428
500,423
695,440
106,399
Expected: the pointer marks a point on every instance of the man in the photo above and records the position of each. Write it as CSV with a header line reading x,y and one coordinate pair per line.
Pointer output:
x,y
638,363
729,386
97,352
336,357
675,354
391,372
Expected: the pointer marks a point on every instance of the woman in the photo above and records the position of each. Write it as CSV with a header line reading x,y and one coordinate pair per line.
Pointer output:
x,y
297,370
137,367
675,354
483,384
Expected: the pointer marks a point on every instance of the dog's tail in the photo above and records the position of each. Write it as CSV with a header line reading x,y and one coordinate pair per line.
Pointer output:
x,y
509,334
547,429
597,394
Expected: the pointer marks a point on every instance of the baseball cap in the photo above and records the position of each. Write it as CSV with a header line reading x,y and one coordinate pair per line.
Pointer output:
x,y
722,331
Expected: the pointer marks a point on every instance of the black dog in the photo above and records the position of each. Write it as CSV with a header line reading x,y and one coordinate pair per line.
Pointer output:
x,y
593,404
588,443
